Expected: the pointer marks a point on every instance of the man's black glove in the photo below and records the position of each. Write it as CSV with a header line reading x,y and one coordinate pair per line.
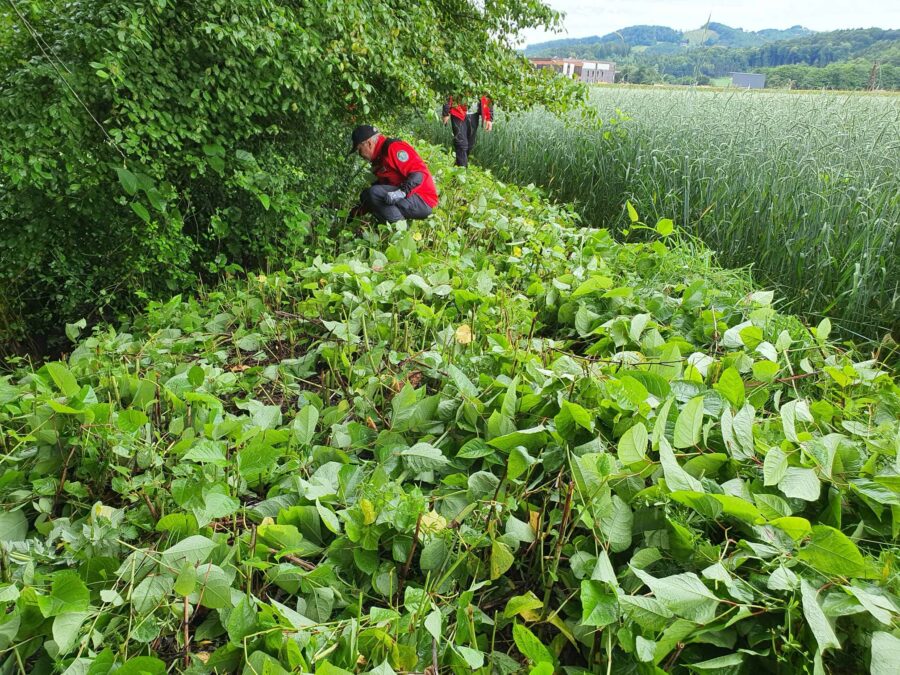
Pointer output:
x,y
393,197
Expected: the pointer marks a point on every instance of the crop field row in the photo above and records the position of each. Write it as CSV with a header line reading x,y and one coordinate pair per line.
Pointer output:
x,y
802,188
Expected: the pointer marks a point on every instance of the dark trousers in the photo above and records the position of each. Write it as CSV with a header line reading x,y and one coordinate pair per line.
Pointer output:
x,y
464,132
411,208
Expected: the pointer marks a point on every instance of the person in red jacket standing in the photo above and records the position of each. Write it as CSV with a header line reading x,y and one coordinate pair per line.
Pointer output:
x,y
403,187
464,119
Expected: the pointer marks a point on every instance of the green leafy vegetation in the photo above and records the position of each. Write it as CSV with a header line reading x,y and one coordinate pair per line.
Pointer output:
x,y
146,142
494,441
801,188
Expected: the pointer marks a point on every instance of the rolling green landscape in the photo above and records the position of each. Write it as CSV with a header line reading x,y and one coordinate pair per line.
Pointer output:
x,y
794,58
619,405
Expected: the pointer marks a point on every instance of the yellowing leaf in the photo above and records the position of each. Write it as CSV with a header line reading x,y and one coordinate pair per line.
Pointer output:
x,y
464,334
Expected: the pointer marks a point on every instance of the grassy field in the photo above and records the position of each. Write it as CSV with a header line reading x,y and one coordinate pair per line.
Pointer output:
x,y
802,188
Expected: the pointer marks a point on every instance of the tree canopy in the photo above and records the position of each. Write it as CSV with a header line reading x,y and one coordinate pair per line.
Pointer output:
x,y
145,140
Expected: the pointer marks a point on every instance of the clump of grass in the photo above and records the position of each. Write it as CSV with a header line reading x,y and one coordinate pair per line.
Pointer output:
x,y
803,189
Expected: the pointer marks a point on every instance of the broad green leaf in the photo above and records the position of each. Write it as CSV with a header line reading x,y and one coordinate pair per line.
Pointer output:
x,y
423,457
474,449
879,606
261,663
141,211
434,554
644,649
142,665
433,624
67,594
531,439
530,646
501,559
676,477
791,413
616,523
13,526
727,504
689,424
684,594
765,371
800,483
589,479
128,180
823,330
463,383
729,664
131,420
522,604
731,386
518,462
885,654
632,213
213,587
241,621
186,580
594,284
473,658
775,466
257,460
633,445
831,552
816,619
206,451
151,592
598,604
659,425
63,378
191,551
66,628
216,505
665,227
795,527
329,518
304,425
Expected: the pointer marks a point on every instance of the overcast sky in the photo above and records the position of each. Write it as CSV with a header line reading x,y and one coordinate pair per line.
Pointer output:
x,y
598,17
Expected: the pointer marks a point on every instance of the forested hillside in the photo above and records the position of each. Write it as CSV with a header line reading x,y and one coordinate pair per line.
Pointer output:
x,y
842,59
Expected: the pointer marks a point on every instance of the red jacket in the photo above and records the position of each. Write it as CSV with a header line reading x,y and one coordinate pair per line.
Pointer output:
x,y
397,163
459,110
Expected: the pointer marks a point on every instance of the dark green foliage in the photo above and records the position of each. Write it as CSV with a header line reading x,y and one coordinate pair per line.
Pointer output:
x,y
220,123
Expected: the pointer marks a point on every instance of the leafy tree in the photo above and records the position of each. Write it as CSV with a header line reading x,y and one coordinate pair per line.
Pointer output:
x,y
145,140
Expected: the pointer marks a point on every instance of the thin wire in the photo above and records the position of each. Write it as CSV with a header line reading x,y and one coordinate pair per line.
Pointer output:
x,y
38,39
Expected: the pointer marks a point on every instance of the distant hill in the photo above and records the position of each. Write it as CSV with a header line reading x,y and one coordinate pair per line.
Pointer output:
x,y
648,36
854,59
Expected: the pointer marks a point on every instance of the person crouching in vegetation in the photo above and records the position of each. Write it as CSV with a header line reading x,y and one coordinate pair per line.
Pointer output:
x,y
464,120
403,187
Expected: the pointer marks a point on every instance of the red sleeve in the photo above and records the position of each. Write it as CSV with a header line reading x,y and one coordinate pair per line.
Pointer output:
x,y
487,109
404,159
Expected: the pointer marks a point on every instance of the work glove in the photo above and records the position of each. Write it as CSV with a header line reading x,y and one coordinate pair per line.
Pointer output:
x,y
393,197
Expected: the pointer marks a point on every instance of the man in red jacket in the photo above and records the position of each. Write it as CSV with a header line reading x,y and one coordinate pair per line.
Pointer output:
x,y
403,187
464,120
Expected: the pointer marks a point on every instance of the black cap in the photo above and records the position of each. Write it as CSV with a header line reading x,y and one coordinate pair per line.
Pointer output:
x,y
361,133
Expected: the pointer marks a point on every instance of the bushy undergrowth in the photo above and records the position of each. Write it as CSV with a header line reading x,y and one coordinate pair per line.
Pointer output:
x,y
145,142
805,188
496,441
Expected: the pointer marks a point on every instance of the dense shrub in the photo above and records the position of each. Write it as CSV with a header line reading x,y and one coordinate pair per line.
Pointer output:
x,y
144,139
